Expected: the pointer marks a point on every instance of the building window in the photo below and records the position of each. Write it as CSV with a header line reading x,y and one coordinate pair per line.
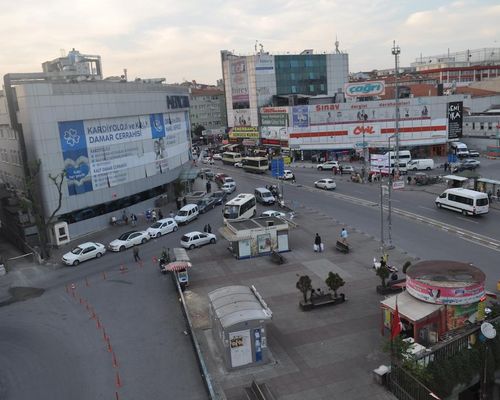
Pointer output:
x,y
294,89
311,88
481,126
490,126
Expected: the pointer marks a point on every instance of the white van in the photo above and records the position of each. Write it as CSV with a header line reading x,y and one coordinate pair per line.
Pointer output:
x,y
187,213
460,149
468,202
420,165
264,196
231,158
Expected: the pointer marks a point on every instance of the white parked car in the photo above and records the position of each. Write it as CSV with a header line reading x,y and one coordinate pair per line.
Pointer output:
x,y
162,227
238,165
347,169
328,165
326,184
197,239
273,213
287,175
129,239
84,252
217,157
228,187
207,160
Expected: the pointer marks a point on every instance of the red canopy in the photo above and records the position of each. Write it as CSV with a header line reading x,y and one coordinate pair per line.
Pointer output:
x,y
178,265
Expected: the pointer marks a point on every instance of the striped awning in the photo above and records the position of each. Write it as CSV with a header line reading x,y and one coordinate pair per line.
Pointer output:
x,y
178,265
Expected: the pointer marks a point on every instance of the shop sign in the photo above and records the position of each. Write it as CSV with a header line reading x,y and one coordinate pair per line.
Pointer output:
x,y
277,119
249,132
444,295
364,89
455,119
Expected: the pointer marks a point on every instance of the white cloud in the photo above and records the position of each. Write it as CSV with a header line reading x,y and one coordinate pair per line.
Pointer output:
x,y
179,40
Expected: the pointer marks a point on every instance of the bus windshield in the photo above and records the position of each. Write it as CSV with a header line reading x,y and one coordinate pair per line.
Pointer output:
x,y
231,212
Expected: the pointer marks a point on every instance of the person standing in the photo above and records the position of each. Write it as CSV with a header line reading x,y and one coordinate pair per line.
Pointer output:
x,y
160,214
171,214
317,243
343,235
209,187
154,217
209,228
136,254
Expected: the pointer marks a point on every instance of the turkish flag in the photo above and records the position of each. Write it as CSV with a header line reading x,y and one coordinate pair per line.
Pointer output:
x,y
396,325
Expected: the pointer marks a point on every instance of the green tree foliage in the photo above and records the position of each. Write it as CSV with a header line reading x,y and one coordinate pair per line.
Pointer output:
x,y
304,285
334,282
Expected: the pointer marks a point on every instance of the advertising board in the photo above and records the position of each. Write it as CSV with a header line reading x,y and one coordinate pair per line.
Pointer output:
x,y
445,295
455,119
364,89
239,83
108,152
245,132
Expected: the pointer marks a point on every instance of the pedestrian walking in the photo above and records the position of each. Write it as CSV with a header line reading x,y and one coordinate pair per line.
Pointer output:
x,y
209,228
209,186
184,201
178,203
160,214
133,219
445,166
343,235
205,228
341,169
154,216
136,254
148,215
171,214
318,244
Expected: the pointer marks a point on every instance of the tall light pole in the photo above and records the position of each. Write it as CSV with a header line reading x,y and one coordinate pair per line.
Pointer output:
x,y
389,217
396,51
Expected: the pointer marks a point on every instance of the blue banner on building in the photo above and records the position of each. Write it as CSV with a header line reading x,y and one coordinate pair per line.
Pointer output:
x,y
300,116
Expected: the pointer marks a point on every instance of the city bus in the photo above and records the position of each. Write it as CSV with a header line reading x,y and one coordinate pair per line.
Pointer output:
x,y
230,157
468,202
258,165
243,206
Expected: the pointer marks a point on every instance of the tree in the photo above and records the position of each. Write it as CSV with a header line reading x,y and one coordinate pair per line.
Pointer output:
x,y
304,284
383,272
33,202
198,130
334,282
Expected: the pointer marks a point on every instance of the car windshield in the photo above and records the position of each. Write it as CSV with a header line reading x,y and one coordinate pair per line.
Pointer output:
x,y
182,213
185,238
231,212
156,225
125,236
266,195
77,250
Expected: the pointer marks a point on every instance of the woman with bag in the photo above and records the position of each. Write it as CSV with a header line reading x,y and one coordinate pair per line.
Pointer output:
x,y
318,244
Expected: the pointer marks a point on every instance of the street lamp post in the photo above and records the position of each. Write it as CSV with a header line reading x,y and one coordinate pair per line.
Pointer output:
x,y
396,50
382,243
389,217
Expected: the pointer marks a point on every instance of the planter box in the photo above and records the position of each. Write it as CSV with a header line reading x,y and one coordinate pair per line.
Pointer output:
x,y
384,290
320,301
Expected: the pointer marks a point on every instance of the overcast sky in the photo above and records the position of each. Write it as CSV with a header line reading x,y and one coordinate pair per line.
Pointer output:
x,y
182,40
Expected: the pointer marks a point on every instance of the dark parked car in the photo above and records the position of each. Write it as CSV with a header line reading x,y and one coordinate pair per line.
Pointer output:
x,y
473,153
219,197
206,204
468,164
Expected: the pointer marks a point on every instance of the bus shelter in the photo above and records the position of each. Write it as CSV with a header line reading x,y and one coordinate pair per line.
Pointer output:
x,y
256,236
238,315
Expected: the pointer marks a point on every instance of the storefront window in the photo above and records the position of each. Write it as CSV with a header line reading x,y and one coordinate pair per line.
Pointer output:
x,y
264,243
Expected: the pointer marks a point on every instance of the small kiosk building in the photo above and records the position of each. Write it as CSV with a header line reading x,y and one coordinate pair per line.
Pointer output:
x,y
256,236
238,315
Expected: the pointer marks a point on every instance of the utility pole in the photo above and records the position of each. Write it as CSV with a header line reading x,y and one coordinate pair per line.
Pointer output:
x,y
382,243
396,51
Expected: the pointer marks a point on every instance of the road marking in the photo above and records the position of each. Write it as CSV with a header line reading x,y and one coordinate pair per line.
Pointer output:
x,y
428,208
468,220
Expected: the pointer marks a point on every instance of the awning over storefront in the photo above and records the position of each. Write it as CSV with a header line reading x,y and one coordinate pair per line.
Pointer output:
x,y
490,181
455,178
409,307
189,174
178,265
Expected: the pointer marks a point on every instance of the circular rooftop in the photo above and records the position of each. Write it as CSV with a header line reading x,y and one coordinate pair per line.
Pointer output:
x,y
445,282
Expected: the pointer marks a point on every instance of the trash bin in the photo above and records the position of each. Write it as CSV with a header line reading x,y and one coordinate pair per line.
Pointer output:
x,y
381,374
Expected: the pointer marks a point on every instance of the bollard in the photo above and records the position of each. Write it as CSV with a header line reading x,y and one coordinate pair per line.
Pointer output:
x,y
116,396
104,335
115,362
98,323
110,349
87,282
123,269
104,275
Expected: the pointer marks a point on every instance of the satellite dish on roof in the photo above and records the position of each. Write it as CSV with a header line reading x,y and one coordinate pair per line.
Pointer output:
x,y
488,330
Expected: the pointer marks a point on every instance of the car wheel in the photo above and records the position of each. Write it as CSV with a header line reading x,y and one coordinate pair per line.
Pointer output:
x,y
75,263
122,248
464,212
212,241
158,234
192,247
438,205
144,240
320,168
414,169
428,168
98,255
175,229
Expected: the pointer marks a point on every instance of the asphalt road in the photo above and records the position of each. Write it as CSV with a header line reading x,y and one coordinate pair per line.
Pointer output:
x,y
53,346
442,235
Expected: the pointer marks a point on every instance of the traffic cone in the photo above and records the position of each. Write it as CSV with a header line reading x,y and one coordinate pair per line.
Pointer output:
x,y
118,380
